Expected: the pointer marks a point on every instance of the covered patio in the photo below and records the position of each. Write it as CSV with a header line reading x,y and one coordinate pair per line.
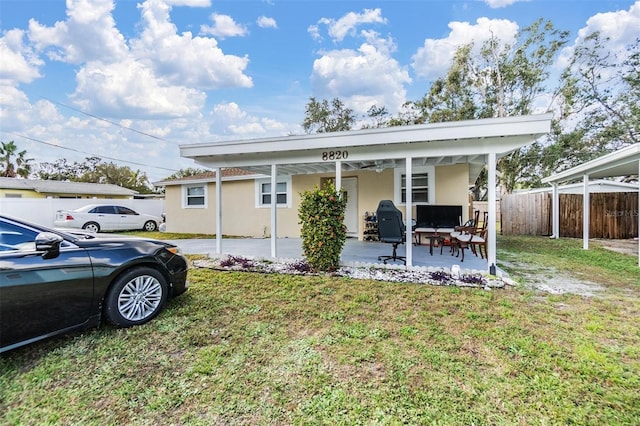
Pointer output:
x,y
476,143
354,253
624,162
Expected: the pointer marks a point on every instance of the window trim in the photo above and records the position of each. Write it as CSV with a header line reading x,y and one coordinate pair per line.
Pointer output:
x,y
258,192
397,181
185,196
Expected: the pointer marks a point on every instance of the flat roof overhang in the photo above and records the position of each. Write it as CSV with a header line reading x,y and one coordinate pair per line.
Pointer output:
x,y
428,144
623,162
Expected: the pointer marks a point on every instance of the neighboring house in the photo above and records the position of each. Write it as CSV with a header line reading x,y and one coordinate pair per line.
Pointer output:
x,y
32,188
444,160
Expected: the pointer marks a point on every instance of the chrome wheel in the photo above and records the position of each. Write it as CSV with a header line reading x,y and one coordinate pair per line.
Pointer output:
x,y
92,227
140,298
150,226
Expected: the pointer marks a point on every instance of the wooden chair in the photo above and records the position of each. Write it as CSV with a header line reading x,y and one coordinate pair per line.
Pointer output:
x,y
479,239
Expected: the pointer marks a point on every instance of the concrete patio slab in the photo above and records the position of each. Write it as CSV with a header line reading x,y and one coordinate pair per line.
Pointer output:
x,y
362,252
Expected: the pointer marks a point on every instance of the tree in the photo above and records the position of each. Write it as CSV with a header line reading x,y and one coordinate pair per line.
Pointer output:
x,y
94,170
601,91
320,117
189,171
21,167
501,80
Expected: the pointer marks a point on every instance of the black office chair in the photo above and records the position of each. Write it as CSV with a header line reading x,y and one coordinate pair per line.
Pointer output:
x,y
391,229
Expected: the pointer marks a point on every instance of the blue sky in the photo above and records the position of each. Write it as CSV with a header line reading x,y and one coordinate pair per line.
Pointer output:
x,y
76,76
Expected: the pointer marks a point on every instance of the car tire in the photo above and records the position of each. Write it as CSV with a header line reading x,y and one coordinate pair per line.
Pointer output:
x,y
91,227
150,226
135,297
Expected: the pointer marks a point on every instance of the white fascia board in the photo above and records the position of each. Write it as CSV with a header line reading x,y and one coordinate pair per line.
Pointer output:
x,y
371,138
618,163
468,147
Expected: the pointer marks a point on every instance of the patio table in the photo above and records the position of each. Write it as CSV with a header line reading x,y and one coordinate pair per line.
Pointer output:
x,y
434,234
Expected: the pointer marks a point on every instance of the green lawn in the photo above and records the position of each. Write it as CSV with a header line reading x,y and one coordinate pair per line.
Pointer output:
x,y
245,348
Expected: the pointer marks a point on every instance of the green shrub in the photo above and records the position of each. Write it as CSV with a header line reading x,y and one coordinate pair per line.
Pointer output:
x,y
321,214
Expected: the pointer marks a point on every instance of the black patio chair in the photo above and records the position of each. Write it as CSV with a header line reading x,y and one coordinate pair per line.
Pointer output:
x,y
391,229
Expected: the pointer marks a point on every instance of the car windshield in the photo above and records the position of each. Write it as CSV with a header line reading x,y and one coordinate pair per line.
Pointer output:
x,y
14,230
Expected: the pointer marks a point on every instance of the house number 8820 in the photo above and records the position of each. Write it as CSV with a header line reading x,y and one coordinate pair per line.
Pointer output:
x,y
334,155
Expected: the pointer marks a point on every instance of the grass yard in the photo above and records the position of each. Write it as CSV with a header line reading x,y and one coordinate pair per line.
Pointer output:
x,y
245,348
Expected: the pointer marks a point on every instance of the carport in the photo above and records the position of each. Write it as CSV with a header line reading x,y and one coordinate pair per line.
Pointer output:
x,y
624,162
478,143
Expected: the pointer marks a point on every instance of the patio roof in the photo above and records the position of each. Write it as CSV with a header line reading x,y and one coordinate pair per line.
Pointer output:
x,y
380,148
624,162
474,142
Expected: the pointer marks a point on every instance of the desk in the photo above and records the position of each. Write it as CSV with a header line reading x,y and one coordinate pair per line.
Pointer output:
x,y
434,234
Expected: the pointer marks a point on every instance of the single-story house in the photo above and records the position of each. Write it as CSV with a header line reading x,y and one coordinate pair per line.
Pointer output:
x,y
33,188
623,162
443,160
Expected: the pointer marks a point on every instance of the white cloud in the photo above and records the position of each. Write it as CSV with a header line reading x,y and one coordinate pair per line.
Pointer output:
x,y
230,119
266,22
361,77
496,4
347,25
617,30
184,59
19,63
223,27
88,34
433,59
129,89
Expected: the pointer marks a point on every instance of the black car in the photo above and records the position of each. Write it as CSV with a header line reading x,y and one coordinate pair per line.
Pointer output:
x,y
53,282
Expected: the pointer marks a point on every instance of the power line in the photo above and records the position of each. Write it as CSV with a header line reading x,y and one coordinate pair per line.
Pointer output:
x,y
89,153
108,121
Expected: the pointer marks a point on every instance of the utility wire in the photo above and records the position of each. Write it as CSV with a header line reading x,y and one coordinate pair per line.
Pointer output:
x,y
89,153
108,121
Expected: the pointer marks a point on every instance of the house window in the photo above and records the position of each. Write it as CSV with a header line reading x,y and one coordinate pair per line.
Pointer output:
x,y
422,186
283,192
195,196
419,188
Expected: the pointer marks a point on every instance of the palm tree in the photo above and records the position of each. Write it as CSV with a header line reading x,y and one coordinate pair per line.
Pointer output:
x,y
21,167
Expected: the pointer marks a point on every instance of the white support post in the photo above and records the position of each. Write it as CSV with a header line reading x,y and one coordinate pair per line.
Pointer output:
x,y
338,176
218,210
491,198
408,211
639,214
274,211
585,213
555,211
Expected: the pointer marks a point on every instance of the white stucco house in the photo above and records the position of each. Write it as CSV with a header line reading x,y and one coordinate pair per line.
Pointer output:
x,y
443,160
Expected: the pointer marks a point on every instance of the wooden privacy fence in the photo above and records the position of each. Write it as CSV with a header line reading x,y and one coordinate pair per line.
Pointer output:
x,y
526,214
611,214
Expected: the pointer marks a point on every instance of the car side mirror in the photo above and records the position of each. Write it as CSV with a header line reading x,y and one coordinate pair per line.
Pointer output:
x,y
49,243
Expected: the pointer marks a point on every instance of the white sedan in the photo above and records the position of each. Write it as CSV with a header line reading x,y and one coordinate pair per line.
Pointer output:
x,y
99,217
